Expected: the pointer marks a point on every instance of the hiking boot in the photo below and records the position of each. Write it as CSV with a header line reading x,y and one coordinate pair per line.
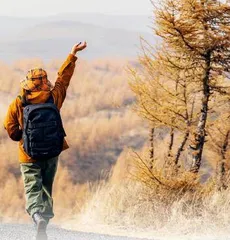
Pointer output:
x,y
41,225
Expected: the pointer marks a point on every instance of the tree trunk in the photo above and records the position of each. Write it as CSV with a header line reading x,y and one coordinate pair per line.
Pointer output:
x,y
181,147
171,142
151,150
221,166
197,147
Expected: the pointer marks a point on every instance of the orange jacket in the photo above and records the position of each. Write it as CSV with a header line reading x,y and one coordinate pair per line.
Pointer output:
x,y
14,119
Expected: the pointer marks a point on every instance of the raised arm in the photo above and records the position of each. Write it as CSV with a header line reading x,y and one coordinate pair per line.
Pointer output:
x,y
64,75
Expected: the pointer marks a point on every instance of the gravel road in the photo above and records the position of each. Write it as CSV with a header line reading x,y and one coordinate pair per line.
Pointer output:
x,y
27,232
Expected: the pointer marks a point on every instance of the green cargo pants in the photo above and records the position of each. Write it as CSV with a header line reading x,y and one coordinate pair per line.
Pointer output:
x,y
38,181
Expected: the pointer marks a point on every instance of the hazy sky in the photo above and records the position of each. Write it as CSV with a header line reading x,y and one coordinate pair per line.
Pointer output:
x,y
50,7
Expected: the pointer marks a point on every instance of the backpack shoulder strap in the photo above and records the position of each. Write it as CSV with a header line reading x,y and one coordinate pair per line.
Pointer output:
x,y
50,99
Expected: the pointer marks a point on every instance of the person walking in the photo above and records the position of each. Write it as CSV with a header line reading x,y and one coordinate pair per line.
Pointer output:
x,y
33,119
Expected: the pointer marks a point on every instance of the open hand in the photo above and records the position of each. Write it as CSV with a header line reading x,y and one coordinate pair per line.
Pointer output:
x,y
78,47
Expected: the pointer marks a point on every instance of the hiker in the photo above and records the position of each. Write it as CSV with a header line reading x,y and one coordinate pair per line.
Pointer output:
x,y
34,121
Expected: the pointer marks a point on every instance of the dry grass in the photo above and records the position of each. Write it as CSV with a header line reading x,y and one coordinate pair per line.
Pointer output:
x,y
178,207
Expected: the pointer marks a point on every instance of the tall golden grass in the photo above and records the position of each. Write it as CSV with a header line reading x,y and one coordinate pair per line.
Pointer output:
x,y
152,204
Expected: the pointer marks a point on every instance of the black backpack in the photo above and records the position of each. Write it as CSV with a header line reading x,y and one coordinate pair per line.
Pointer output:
x,y
43,132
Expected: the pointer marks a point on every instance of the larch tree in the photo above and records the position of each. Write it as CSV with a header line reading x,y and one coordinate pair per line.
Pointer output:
x,y
218,136
181,77
165,98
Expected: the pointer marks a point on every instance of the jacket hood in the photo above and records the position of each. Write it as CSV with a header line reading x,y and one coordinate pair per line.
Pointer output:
x,y
38,97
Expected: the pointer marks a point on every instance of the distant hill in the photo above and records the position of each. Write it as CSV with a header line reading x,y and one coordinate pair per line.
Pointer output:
x,y
51,37
12,25
137,23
